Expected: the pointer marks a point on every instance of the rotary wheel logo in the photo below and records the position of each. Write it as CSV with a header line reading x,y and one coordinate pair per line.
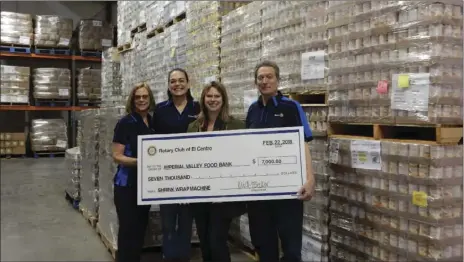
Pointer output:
x,y
152,150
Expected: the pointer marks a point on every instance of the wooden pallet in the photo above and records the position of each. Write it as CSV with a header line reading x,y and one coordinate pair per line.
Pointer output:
x,y
9,156
106,241
71,200
125,47
435,134
309,98
48,154
176,20
138,29
249,252
11,48
91,219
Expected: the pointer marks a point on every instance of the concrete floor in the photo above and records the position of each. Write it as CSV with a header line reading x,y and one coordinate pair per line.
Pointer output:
x,y
38,224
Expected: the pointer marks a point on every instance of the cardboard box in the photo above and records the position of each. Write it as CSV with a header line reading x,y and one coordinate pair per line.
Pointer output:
x,y
19,150
18,136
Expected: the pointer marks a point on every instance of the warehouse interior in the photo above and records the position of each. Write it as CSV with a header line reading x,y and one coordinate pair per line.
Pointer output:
x,y
380,83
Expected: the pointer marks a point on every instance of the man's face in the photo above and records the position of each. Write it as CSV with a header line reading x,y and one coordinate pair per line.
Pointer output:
x,y
267,81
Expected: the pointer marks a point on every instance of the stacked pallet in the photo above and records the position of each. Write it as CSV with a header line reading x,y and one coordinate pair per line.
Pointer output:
x,y
52,31
48,136
14,84
396,190
16,29
89,84
12,144
111,86
94,35
73,168
240,53
50,84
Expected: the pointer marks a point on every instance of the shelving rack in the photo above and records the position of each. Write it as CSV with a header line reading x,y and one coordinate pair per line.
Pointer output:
x,y
32,60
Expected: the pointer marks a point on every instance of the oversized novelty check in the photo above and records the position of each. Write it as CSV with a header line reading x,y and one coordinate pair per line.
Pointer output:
x,y
222,166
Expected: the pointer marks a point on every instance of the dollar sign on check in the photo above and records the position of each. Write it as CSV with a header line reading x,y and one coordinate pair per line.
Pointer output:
x,y
254,161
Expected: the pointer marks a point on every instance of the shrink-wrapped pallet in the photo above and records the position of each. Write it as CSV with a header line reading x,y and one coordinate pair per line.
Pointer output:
x,y
51,83
52,31
134,64
73,168
175,46
240,53
156,66
89,84
155,19
173,9
294,36
14,84
94,35
111,87
48,135
395,62
396,200
16,28
89,147
132,14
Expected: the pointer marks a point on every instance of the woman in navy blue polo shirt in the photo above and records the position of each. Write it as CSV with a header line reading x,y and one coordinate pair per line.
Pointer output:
x,y
174,116
132,218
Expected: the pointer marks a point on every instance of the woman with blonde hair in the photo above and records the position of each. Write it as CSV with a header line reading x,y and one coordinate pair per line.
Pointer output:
x,y
133,219
213,220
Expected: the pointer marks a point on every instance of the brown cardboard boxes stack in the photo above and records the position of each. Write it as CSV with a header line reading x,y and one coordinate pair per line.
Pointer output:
x,y
12,144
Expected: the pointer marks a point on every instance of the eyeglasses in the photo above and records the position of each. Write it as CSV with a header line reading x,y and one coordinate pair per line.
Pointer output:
x,y
138,97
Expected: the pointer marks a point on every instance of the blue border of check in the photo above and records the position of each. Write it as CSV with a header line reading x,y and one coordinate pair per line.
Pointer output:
x,y
195,135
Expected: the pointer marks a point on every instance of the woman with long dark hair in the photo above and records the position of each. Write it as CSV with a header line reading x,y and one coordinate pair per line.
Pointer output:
x,y
172,117
133,219
213,219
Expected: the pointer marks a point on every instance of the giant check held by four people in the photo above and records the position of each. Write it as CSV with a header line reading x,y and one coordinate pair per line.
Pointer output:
x,y
222,166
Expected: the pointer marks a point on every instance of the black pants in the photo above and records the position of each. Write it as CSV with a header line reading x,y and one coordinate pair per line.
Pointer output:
x,y
133,220
272,219
213,224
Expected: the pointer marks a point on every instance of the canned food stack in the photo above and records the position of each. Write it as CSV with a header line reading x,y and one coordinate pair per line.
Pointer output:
x,y
89,84
48,135
129,16
94,35
14,84
111,86
89,147
73,166
294,32
16,28
155,19
175,46
107,217
133,64
172,9
395,62
51,83
52,31
240,53
396,201
157,76
203,22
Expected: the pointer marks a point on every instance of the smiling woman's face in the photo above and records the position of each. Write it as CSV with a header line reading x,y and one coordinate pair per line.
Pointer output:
x,y
178,85
213,100
142,100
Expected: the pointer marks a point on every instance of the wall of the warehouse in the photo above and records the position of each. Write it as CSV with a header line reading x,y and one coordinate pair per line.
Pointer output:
x,y
70,9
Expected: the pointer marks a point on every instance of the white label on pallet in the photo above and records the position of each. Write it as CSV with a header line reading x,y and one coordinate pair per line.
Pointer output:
x,y
106,42
313,65
61,143
63,41
334,152
25,40
63,92
410,92
97,23
365,154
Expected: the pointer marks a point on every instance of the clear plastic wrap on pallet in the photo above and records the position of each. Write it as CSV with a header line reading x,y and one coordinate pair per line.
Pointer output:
x,y
175,46
16,28
51,83
89,84
156,68
294,36
14,84
94,35
395,62
240,53
52,31
73,168
396,200
156,19
240,231
111,85
90,128
48,135
132,14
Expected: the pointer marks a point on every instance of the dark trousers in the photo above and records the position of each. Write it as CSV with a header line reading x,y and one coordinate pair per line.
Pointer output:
x,y
177,223
272,219
213,224
133,220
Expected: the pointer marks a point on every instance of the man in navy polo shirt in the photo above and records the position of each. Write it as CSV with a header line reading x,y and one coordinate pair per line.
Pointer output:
x,y
272,219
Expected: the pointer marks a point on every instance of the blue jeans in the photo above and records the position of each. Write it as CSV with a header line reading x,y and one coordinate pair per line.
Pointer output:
x,y
177,223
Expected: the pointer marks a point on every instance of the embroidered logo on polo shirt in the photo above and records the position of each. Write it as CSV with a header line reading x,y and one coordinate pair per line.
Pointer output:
x,y
192,116
281,114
